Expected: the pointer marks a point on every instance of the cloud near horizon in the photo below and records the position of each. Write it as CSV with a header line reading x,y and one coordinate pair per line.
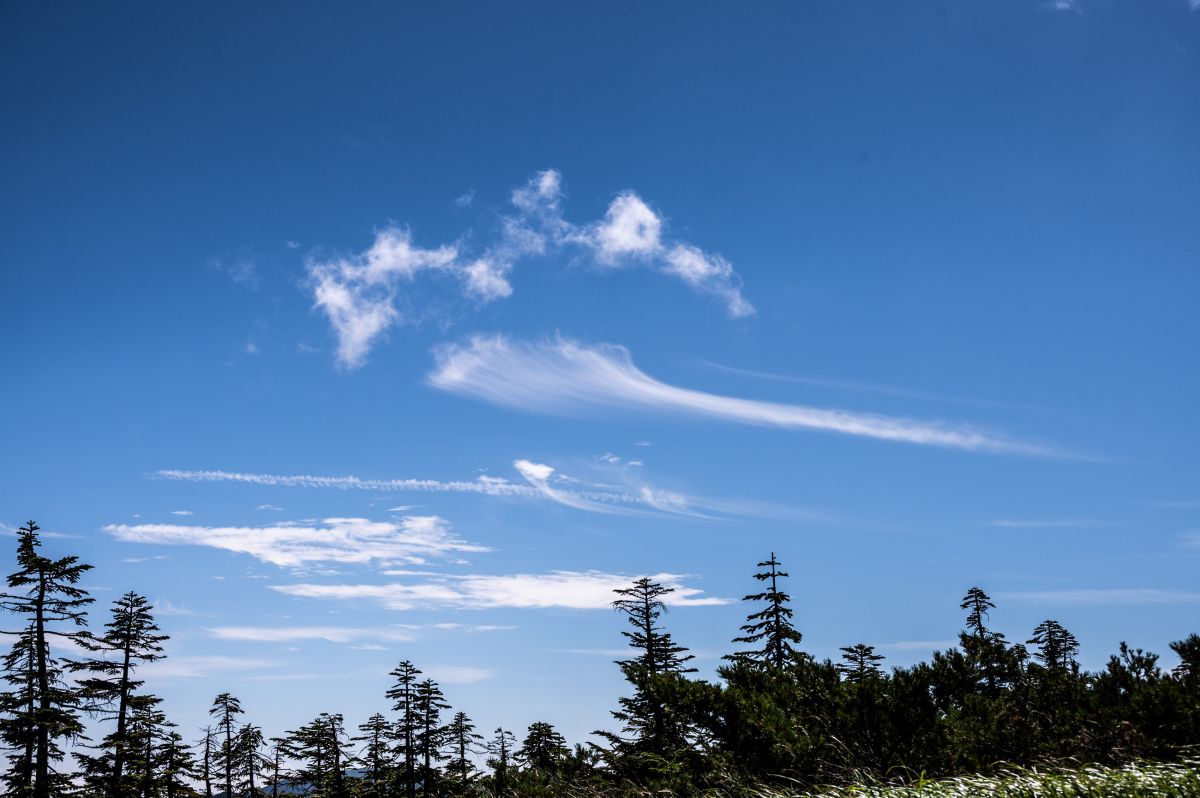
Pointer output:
x,y
360,293
564,589
566,377
410,540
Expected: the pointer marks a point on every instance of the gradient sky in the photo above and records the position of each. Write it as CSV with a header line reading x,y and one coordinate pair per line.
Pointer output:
x,y
348,336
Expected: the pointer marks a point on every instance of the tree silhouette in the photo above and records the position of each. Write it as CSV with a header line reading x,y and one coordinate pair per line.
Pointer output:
x,y
225,708
376,735
861,662
771,627
133,637
1056,646
429,705
460,734
977,603
403,694
500,752
44,593
544,748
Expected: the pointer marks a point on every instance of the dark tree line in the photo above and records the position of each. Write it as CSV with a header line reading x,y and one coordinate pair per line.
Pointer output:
x,y
776,716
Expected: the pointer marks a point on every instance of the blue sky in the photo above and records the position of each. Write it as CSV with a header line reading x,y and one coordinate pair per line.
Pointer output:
x,y
409,333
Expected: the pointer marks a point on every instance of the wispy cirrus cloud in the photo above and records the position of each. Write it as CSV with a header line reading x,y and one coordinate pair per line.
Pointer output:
x,y
1046,523
292,634
566,589
361,293
1143,595
567,377
410,540
541,481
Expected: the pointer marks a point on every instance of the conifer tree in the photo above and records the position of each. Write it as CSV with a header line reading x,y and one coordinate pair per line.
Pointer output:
x,y
275,764
403,694
132,638
654,728
375,758
177,766
1056,646
206,763
225,709
543,749
500,750
770,627
861,662
463,740
977,603
45,595
429,703
246,746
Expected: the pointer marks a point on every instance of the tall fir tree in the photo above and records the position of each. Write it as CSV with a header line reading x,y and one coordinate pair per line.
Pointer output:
x,y
375,756
543,749
1056,646
132,638
977,603
500,752
430,733
652,725
463,742
225,709
403,694
45,595
770,628
860,662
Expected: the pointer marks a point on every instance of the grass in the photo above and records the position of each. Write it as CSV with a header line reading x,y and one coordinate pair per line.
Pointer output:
x,y
1179,780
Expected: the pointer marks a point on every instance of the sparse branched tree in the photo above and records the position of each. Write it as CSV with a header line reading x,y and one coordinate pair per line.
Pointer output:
x,y
131,638
43,709
861,662
977,603
375,755
1056,646
463,741
500,752
247,747
225,709
770,628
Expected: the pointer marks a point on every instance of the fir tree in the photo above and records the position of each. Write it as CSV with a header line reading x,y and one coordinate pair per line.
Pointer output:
x,y
653,726
44,593
1056,646
225,709
460,734
246,746
861,662
977,603
403,694
543,749
429,704
771,627
132,637
375,737
500,751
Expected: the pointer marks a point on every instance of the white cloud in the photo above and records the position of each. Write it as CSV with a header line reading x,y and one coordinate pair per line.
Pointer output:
x,y
536,487
291,634
359,293
1045,523
199,667
465,200
1143,595
709,274
457,674
270,507
411,540
181,512
567,377
569,589
629,228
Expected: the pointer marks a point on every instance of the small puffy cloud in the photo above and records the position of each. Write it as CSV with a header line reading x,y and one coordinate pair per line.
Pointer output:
x,y
630,228
487,280
181,512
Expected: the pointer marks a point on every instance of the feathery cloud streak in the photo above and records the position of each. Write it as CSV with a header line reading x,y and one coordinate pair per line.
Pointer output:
x,y
411,540
567,589
565,376
359,293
